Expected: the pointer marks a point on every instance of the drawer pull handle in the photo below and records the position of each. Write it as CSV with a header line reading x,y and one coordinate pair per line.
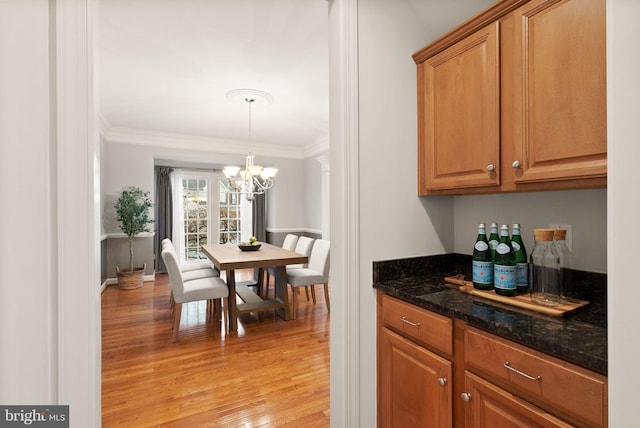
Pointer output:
x,y
508,367
415,324
466,397
442,381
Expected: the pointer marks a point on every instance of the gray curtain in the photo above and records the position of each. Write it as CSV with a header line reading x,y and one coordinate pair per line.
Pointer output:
x,y
163,213
259,206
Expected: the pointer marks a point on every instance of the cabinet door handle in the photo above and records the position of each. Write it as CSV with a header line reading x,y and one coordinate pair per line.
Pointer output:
x,y
442,381
465,396
404,320
491,167
508,367
516,164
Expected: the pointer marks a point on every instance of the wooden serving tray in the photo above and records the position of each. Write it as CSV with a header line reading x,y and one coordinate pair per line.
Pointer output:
x,y
521,301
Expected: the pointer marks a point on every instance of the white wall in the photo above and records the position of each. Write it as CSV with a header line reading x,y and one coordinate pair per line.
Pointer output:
x,y
313,195
27,214
123,165
584,210
393,221
133,165
49,269
623,95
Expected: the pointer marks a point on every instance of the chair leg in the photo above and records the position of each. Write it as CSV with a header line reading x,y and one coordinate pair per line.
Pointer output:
x,y
172,302
177,312
294,315
306,291
224,304
313,293
266,285
217,308
326,296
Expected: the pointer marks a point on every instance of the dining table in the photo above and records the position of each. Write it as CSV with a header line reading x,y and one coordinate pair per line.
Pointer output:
x,y
229,258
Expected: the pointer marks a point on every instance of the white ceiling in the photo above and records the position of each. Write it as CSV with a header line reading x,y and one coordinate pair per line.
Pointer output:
x,y
164,68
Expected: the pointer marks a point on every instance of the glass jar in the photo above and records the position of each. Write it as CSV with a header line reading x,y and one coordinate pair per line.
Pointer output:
x,y
564,255
545,269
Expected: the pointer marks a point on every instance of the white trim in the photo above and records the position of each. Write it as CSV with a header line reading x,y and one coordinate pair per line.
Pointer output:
x,y
120,235
184,142
295,230
78,226
345,256
114,281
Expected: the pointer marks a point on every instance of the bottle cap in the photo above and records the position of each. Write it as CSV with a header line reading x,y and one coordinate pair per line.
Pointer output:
x,y
481,225
543,234
559,234
515,226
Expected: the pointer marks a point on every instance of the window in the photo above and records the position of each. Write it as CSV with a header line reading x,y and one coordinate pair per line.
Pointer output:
x,y
196,216
205,212
235,216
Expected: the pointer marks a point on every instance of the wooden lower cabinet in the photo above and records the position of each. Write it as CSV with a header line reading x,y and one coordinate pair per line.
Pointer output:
x,y
490,406
415,386
434,371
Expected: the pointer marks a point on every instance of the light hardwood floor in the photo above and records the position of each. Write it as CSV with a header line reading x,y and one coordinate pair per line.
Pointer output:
x,y
269,373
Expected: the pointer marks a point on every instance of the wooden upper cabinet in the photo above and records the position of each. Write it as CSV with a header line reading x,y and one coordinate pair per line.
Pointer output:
x,y
461,114
515,99
557,78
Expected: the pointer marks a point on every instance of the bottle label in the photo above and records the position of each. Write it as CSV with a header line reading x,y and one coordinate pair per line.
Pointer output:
x,y
522,274
504,277
503,248
481,246
515,245
482,272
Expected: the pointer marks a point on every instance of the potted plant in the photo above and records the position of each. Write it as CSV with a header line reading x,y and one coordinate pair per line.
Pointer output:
x,y
132,210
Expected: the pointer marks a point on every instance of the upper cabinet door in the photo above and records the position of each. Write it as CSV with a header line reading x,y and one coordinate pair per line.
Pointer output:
x,y
558,85
459,115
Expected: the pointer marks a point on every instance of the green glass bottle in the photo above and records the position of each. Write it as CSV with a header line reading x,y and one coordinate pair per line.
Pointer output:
x,y
522,267
493,240
504,266
482,262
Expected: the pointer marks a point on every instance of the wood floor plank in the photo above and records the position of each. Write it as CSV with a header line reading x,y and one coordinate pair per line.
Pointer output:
x,y
270,373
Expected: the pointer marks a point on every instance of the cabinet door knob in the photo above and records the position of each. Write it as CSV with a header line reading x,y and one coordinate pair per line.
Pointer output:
x,y
465,396
491,167
516,164
442,381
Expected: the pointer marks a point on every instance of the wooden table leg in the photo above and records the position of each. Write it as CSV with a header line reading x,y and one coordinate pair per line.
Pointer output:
x,y
232,309
281,290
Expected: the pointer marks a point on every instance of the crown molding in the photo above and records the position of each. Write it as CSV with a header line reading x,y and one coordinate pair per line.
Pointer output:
x,y
167,140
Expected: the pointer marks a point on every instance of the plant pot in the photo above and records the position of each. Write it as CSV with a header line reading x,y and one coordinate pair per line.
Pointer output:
x,y
129,280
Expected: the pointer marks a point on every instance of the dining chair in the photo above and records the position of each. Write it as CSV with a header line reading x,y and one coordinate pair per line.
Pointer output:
x,y
211,288
190,271
316,273
304,246
289,243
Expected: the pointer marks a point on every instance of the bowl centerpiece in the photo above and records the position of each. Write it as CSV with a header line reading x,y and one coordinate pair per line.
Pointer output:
x,y
252,245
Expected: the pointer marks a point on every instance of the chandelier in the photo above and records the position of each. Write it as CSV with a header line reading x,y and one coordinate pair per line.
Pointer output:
x,y
253,179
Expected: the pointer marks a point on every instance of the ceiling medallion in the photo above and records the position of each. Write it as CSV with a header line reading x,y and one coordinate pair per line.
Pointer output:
x,y
244,95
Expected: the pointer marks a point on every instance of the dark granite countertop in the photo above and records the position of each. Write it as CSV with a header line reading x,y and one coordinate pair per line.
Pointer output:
x,y
580,338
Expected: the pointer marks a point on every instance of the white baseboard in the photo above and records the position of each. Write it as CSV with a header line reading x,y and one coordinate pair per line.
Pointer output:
x,y
114,281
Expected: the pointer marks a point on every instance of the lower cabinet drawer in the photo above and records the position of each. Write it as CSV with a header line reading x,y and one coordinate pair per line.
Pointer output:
x,y
487,405
574,393
433,330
